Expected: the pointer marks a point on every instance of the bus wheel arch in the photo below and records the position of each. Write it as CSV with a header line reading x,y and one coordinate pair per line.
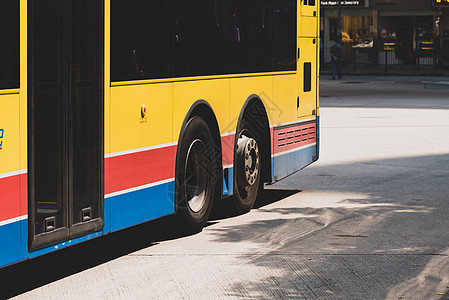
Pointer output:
x,y
252,153
198,166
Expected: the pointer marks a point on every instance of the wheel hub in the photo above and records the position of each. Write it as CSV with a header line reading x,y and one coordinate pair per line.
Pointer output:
x,y
249,150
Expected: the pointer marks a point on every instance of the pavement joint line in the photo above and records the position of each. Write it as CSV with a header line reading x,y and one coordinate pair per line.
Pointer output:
x,y
396,166
436,82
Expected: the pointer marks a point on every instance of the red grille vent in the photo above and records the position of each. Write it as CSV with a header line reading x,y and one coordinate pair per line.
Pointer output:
x,y
293,137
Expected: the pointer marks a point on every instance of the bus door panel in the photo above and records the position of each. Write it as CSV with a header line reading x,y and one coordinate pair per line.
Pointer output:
x,y
65,119
309,8
308,18
308,26
307,71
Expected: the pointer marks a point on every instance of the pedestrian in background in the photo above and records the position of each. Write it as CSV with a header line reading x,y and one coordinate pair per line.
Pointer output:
x,y
336,51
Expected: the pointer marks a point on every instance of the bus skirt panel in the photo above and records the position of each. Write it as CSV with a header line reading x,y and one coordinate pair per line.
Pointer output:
x,y
140,204
13,235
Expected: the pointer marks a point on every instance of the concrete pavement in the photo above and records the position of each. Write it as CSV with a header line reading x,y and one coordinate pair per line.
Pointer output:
x,y
367,221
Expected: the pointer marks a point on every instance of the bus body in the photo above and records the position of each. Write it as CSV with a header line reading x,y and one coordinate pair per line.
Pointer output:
x,y
114,113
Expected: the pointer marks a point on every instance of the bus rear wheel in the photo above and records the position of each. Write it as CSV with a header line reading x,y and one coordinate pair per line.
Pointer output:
x,y
247,171
196,174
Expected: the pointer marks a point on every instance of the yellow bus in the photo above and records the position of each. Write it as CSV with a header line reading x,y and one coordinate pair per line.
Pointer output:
x,y
114,113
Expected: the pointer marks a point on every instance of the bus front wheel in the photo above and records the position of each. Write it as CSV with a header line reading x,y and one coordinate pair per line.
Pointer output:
x,y
196,174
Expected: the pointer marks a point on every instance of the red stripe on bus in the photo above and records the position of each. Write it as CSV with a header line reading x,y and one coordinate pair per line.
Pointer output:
x,y
136,169
227,146
13,201
140,168
107,175
293,137
23,194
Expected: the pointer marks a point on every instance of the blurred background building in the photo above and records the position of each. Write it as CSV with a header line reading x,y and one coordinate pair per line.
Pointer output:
x,y
388,36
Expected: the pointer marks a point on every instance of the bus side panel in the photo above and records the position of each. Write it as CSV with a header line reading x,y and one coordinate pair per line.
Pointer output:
x,y
10,249
12,220
283,108
140,167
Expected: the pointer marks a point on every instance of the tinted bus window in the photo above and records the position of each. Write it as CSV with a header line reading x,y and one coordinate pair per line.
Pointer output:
x,y
249,48
9,47
198,38
201,37
284,28
141,40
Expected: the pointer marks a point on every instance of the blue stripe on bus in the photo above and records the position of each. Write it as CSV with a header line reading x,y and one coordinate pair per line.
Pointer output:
x,y
230,181
225,187
290,162
12,236
140,206
65,244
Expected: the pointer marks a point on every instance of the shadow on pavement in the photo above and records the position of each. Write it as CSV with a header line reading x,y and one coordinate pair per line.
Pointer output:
x,y
43,270
28,275
223,210
364,230
360,230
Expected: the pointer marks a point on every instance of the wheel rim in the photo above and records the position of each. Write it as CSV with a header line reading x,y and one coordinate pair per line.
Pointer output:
x,y
195,176
251,161
248,167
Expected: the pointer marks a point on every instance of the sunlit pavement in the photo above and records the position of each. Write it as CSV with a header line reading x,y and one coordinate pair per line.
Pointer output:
x,y
369,220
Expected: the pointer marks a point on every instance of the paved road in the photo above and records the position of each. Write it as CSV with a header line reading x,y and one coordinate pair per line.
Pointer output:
x,y
368,221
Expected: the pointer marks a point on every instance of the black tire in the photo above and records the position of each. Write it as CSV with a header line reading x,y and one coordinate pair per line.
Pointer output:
x,y
196,174
247,170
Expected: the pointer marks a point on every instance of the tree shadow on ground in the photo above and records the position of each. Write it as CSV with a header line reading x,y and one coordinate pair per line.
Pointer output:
x,y
364,230
222,208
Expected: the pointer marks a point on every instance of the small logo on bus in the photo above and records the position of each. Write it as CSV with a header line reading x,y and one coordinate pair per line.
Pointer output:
x,y
143,111
143,114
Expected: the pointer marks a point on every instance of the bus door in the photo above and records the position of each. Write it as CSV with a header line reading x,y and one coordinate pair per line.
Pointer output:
x,y
307,71
65,119
307,57
309,8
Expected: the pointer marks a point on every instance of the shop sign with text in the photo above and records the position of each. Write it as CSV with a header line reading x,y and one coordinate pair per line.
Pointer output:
x,y
440,3
356,3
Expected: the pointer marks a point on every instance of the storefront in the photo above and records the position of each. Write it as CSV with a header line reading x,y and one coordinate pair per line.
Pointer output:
x,y
388,32
405,31
358,26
